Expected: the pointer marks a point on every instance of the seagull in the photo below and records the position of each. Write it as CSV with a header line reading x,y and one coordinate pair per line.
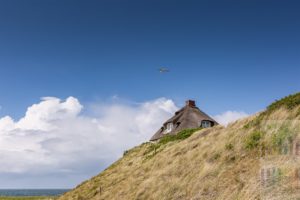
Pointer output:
x,y
163,70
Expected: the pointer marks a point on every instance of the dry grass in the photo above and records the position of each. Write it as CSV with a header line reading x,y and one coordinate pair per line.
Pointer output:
x,y
27,198
213,163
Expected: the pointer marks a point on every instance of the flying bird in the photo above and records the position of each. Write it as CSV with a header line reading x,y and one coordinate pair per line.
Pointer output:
x,y
163,70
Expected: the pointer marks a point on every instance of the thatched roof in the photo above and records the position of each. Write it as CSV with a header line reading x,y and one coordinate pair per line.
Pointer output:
x,y
190,116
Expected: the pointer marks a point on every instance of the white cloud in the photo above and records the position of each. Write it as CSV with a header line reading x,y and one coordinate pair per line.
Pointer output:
x,y
55,136
229,116
59,140
42,116
6,124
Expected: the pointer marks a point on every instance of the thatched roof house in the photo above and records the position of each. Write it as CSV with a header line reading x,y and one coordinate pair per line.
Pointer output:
x,y
187,117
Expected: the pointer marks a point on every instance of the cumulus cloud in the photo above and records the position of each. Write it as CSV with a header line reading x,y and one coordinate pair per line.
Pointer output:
x,y
229,116
59,140
55,136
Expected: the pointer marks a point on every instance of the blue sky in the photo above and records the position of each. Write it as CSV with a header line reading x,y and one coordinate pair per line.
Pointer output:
x,y
237,55
227,55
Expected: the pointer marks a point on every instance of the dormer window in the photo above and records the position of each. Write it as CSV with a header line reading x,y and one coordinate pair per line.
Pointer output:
x,y
205,124
169,127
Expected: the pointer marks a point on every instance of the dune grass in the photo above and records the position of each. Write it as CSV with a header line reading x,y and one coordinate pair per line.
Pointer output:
x,y
289,102
28,198
216,163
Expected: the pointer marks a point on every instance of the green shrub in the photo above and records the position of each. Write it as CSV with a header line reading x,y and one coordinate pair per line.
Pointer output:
x,y
288,102
152,148
254,139
246,126
156,147
179,136
284,135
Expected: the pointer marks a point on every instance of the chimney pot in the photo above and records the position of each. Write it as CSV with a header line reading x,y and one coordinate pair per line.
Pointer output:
x,y
191,103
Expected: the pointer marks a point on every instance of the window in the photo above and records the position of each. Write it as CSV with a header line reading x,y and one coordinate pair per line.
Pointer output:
x,y
205,124
169,127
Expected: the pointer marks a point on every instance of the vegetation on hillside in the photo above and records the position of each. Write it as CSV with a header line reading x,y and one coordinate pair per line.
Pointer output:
x,y
289,102
27,198
180,136
253,140
242,161
156,147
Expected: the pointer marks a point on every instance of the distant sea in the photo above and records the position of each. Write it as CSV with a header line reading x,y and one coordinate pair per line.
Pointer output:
x,y
32,192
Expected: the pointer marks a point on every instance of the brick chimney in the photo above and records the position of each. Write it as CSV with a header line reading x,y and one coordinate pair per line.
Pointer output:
x,y
190,103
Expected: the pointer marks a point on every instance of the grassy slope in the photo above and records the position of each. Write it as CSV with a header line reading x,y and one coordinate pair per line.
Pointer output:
x,y
27,198
216,163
